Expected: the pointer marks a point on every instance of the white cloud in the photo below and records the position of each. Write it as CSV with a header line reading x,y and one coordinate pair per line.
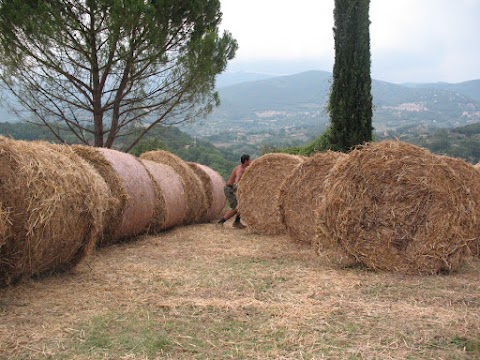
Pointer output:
x,y
280,29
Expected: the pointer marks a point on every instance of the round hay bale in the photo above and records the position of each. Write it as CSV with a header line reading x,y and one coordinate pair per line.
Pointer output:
x,y
170,197
196,197
397,207
258,192
301,194
470,178
130,184
213,184
55,209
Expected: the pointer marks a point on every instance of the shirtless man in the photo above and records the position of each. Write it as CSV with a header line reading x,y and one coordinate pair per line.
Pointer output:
x,y
231,189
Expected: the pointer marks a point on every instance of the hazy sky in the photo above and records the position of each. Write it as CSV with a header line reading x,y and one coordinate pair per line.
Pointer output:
x,y
410,40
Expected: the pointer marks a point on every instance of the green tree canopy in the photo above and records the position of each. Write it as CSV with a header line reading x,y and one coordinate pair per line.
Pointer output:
x,y
98,68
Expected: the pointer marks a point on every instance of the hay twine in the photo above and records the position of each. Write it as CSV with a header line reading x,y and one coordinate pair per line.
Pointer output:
x,y
55,209
302,192
259,192
170,196
397,207
196,197
213,184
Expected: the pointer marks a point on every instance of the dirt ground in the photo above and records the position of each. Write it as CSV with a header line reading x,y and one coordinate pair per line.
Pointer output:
x,y
213,292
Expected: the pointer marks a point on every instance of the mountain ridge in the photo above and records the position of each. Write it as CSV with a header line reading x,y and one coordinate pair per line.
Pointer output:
x,y
299,100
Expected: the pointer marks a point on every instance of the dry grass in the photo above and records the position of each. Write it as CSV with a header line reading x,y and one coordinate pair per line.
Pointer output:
x,y
210,292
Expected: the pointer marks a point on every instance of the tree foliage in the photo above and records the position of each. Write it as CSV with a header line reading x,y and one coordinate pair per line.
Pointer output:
x,y
98,68
320,144
350,102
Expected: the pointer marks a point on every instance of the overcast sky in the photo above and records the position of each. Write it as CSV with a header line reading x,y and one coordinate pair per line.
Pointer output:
x,y
410,40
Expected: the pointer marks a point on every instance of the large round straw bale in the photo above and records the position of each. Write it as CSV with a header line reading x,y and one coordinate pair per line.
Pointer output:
x,y
259,192
196,197
397,207
170,197
470,179
55,209
130,184
213,184
301,194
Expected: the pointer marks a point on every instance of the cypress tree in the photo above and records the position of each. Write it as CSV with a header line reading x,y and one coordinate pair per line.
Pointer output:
x,y
350,103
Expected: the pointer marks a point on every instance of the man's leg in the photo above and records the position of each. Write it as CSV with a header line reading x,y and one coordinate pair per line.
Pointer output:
x,y
237,224
227,216
232,201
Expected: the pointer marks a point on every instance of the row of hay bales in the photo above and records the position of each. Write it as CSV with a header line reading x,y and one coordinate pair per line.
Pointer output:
x,y
389,205
58,202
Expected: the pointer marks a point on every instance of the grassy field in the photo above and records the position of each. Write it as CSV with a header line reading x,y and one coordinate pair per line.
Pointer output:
x,y
210,292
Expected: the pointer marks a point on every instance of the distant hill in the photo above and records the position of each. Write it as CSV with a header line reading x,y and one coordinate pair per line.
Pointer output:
x,y
6,115
233,78
296,105
299,101
470,88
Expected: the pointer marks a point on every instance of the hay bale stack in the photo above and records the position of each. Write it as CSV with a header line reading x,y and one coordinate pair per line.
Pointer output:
x,y
170,196
130,184
196,197
302,193
259,192
397,207
470,178
213,184
55,209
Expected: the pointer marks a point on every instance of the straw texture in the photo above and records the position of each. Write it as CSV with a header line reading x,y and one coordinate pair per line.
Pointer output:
x,y
55,209
302,193
259,192
196,197
130,184
170,196
470,179
397,207
213,184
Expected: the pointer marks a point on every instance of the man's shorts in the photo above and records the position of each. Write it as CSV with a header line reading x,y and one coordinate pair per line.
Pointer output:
x,y
230,193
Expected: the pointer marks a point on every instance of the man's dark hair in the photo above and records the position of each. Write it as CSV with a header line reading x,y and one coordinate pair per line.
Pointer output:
x,y
244,158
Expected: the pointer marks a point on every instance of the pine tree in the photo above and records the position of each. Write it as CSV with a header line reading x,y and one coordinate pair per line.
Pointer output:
x,y
102,69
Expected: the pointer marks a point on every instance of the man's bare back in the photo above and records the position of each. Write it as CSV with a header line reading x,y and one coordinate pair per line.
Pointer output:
x,y
236,175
